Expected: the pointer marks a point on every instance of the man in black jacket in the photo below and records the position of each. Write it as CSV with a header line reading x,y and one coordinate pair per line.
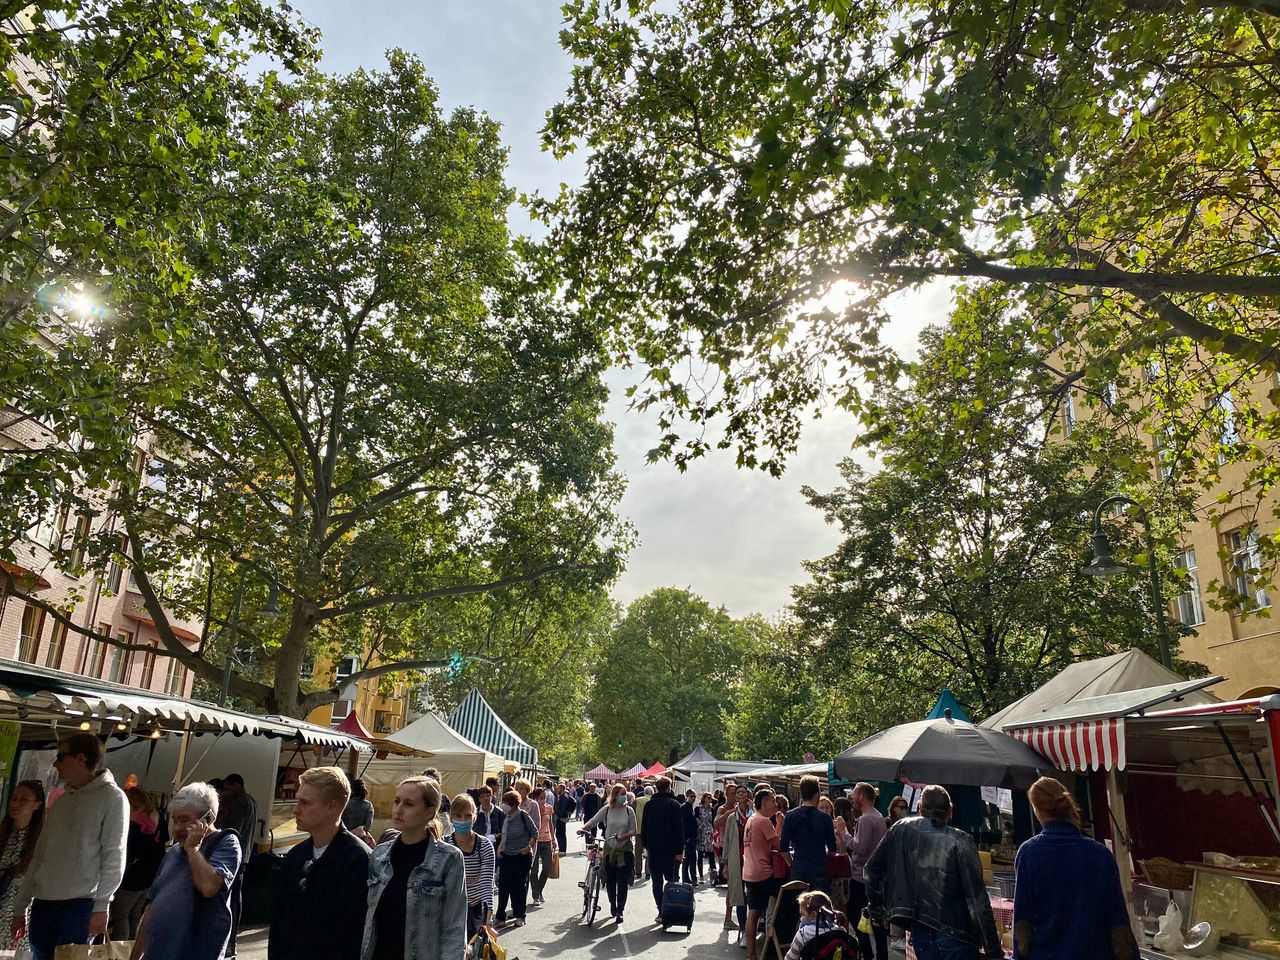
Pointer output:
x,y
564,810
324,881
663,837
591,802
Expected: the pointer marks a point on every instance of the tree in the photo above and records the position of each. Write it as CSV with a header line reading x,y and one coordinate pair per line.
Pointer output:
x,y
113,116
665,677
962,559
388,416
794,700
763,178
544,642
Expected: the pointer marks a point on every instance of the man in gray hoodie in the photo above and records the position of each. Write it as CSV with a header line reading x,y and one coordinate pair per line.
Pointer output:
x,y
79,859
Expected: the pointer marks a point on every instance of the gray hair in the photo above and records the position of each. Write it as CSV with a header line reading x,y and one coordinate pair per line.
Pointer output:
x,y
200,797
648,791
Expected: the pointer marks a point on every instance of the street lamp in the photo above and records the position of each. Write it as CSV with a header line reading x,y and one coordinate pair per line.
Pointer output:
x,y
269,611
1105,566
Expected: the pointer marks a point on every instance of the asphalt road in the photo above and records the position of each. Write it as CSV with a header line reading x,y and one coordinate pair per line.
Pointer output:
x,y
554,930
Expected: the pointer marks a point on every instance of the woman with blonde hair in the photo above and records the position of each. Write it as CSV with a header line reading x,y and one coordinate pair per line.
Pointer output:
x,y
1067,903
417,886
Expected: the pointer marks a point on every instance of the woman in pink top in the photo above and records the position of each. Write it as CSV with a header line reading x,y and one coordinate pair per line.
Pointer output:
x,y
542,855
761,840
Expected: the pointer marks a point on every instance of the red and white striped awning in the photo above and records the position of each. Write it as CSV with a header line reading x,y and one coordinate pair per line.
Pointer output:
x,y
1084,745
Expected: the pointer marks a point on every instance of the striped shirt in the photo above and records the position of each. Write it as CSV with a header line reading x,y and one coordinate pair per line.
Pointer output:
x,y
478,870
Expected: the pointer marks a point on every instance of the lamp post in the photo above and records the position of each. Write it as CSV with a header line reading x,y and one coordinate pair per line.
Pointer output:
x,y
1105,566
270,611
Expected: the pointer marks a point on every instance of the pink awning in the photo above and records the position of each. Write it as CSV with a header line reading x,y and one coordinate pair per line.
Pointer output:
x,y
653,771
1084,745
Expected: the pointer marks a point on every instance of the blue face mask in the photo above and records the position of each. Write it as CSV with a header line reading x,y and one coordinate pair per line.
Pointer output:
x,y
462,826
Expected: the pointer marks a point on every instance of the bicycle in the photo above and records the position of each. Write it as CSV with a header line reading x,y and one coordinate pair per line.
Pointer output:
x,y
591,884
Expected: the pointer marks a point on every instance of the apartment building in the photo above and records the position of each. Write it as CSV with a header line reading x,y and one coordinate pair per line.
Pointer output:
x,y
1220,544
106,601
381,714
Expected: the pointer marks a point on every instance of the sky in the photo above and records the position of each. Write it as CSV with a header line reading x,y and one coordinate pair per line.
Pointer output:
x,y
736,538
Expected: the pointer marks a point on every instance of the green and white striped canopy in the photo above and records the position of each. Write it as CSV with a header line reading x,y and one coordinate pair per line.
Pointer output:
x,y
476,720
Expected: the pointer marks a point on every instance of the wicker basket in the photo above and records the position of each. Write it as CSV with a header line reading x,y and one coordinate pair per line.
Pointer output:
x,y
1166,873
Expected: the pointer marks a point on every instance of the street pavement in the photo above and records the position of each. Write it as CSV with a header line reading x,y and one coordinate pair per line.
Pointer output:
x,y
553,929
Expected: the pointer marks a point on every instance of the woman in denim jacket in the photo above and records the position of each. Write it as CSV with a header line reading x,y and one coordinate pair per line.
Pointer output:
x,y
417,887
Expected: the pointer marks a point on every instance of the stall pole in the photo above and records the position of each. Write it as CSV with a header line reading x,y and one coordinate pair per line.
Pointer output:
x,y
1273,735
353,760
1120,846
182,754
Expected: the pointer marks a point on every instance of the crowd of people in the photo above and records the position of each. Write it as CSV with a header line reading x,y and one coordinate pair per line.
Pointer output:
x,y
91,860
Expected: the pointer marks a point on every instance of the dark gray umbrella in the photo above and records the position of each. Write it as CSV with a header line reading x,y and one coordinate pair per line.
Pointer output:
x,y
946,751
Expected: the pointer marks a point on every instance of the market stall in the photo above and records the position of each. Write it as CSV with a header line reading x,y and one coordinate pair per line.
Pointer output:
x,y
1186,797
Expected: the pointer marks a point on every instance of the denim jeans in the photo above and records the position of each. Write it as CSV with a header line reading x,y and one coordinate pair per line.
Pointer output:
x,y
930,944
55,922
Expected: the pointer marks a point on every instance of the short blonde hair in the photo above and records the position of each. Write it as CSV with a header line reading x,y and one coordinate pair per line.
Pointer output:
x,y
523,785
462,804
330,782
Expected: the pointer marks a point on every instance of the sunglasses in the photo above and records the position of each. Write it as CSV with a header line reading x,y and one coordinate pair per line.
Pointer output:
x,y
306,869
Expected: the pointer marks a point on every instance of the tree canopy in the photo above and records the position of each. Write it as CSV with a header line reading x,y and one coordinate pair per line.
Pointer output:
x,y
384,413
962,559
763,177
675,661
113,116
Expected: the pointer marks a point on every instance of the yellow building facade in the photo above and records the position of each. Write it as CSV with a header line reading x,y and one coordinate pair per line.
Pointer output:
x,y
1220,544
381,711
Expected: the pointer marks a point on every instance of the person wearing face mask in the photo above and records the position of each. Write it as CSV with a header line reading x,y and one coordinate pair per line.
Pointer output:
x,y
515,857
478,862
417,893
619,822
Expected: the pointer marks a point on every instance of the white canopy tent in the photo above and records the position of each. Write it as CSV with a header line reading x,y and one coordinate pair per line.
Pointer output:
x,y
461,763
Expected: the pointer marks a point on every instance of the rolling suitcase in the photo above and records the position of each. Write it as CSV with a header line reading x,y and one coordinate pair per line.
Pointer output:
x,y
677,905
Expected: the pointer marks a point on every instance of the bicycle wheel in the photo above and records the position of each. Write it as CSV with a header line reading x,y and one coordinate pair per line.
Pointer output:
x,y
588,883
595,897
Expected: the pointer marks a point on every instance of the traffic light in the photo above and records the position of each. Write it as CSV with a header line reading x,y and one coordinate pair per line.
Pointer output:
x,y
619,744
456,661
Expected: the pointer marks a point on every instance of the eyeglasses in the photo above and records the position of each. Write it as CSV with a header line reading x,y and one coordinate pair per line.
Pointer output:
x,y
306,869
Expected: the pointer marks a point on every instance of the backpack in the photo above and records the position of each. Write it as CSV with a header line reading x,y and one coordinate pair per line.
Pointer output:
x,y
830,943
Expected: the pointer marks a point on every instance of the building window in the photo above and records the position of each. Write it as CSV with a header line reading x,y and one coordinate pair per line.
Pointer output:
x,y
1246,563
156,475
118,669
1109,394
342,707
98,652
80,542
1069,412
382,721
149,666
57,646
51,528
1228,430
29,639
1190,607
115,569
175,678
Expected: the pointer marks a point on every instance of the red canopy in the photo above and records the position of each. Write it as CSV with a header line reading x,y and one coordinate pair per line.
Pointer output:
x,y
653,771
353,727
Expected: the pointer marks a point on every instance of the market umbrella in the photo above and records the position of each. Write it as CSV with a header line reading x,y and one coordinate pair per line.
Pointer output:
x,y
944,750
656,769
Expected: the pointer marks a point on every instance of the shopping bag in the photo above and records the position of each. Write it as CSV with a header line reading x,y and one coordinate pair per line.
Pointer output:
x,y
781,869
113,950
554,872
484,945
839,867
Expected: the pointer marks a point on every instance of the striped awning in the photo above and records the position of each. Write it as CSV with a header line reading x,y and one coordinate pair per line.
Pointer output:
x,y
1080,746
477,721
